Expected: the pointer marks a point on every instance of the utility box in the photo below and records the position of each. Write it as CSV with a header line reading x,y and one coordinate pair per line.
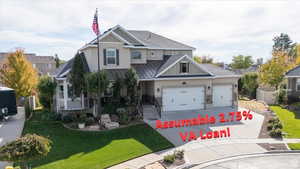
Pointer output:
x,y
8,106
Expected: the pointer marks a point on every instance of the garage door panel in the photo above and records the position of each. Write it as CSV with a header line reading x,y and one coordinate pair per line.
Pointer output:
x,y
183,98
222,95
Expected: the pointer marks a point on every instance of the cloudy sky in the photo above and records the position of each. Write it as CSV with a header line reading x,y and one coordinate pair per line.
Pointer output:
x,y
220,29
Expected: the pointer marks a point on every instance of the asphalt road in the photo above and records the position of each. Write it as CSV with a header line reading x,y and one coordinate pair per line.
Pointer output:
x,y
11,129
282,161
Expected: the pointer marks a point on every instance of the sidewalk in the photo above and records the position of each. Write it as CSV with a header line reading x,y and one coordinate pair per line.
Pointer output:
x,y
197,152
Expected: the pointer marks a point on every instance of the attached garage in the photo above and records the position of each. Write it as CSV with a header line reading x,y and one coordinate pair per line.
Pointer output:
x,y
183,98
222,95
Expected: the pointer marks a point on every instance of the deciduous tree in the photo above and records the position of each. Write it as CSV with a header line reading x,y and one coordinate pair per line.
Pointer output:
x,y
241,62
19,74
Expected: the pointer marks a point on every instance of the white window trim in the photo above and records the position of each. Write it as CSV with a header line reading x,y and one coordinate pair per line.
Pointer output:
x,y
188,67
136,58
111,49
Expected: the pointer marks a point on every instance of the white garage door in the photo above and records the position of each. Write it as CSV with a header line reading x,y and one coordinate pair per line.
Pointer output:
x,y
222,95
183,98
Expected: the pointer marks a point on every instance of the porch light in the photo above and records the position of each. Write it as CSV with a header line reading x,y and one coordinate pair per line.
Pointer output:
x,y
183,83
157,89
208,87
235,85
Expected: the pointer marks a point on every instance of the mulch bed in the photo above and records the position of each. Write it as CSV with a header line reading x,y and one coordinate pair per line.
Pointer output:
x,y
272,147
264,133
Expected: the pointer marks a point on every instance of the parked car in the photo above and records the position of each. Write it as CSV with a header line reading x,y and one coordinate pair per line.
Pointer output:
x,y
8,106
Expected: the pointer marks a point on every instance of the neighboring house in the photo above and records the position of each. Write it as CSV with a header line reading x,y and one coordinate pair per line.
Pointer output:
x,y
168,76
293,86
45,65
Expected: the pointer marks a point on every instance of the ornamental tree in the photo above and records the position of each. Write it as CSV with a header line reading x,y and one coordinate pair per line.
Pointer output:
x,y
77,74
272,72
27,148
131,81
92,85
46,88
249,83
19,74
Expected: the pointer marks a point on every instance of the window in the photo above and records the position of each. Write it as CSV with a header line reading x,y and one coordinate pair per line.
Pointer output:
x,y
136,55
184,67
111,55
298,85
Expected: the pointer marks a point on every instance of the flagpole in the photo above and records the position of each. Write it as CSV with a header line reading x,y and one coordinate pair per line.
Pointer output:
x,y
98,52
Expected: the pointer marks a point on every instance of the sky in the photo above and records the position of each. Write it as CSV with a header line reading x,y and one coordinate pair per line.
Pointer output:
x,y
219,29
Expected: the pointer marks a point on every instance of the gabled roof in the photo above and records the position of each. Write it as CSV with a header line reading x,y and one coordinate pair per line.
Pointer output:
x,y
140,39
173,60
64,69
157,41
295,72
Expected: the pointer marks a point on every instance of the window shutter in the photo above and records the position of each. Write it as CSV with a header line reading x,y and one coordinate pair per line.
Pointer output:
x,y
104,56
117,50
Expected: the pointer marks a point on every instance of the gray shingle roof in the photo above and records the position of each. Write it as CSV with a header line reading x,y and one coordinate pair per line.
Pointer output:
x,y
68,66
153,40
216,70
149,70
294,72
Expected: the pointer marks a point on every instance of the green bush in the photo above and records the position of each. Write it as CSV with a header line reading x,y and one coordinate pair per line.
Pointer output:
x,y
276,133
90,121
169,159
278,125
179,154
28,110
124,118
68,118
270,127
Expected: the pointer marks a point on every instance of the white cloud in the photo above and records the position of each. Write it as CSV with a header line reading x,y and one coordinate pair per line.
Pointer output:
x,y
218,28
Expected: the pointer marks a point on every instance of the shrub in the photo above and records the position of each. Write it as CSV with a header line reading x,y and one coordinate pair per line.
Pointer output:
x,y
169,159
90,121
270,127
276,133
179,154
278,125
68,118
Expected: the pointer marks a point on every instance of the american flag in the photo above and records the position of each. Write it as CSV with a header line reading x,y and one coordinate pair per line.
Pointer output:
x,y
95,25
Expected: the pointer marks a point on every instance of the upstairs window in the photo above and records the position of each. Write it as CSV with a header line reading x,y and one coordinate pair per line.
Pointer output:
x,y
111,55
136,55
184,67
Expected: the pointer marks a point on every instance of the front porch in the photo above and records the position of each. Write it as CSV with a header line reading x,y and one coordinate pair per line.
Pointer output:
x,y
65,100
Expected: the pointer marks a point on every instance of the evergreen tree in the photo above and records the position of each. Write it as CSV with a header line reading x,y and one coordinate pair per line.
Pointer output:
x,y
77,74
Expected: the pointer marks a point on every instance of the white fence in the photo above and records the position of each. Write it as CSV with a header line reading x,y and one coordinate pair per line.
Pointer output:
x,y
268,96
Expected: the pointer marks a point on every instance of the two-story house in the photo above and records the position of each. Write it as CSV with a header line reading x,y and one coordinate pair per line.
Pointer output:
x,y
167,73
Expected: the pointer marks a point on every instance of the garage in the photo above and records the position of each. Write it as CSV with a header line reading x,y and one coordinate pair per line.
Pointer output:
x,y
222,95
187,98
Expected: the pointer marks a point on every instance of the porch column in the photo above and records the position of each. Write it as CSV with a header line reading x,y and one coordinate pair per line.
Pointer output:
x,y
57,98
65,94
82,100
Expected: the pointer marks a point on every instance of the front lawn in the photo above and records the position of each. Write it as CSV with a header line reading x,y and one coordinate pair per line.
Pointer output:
x,y
94,150
291,123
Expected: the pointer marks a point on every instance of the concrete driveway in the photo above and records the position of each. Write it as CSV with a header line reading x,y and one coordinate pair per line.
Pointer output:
x,y
280,161
11,129
238,129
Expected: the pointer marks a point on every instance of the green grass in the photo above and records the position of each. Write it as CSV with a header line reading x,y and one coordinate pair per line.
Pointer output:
x,y
291,123
93,150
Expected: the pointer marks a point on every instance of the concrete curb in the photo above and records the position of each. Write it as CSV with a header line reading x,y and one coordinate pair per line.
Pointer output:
x,y
269,153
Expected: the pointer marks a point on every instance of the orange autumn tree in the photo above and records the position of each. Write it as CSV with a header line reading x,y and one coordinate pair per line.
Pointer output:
x,y
17,73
